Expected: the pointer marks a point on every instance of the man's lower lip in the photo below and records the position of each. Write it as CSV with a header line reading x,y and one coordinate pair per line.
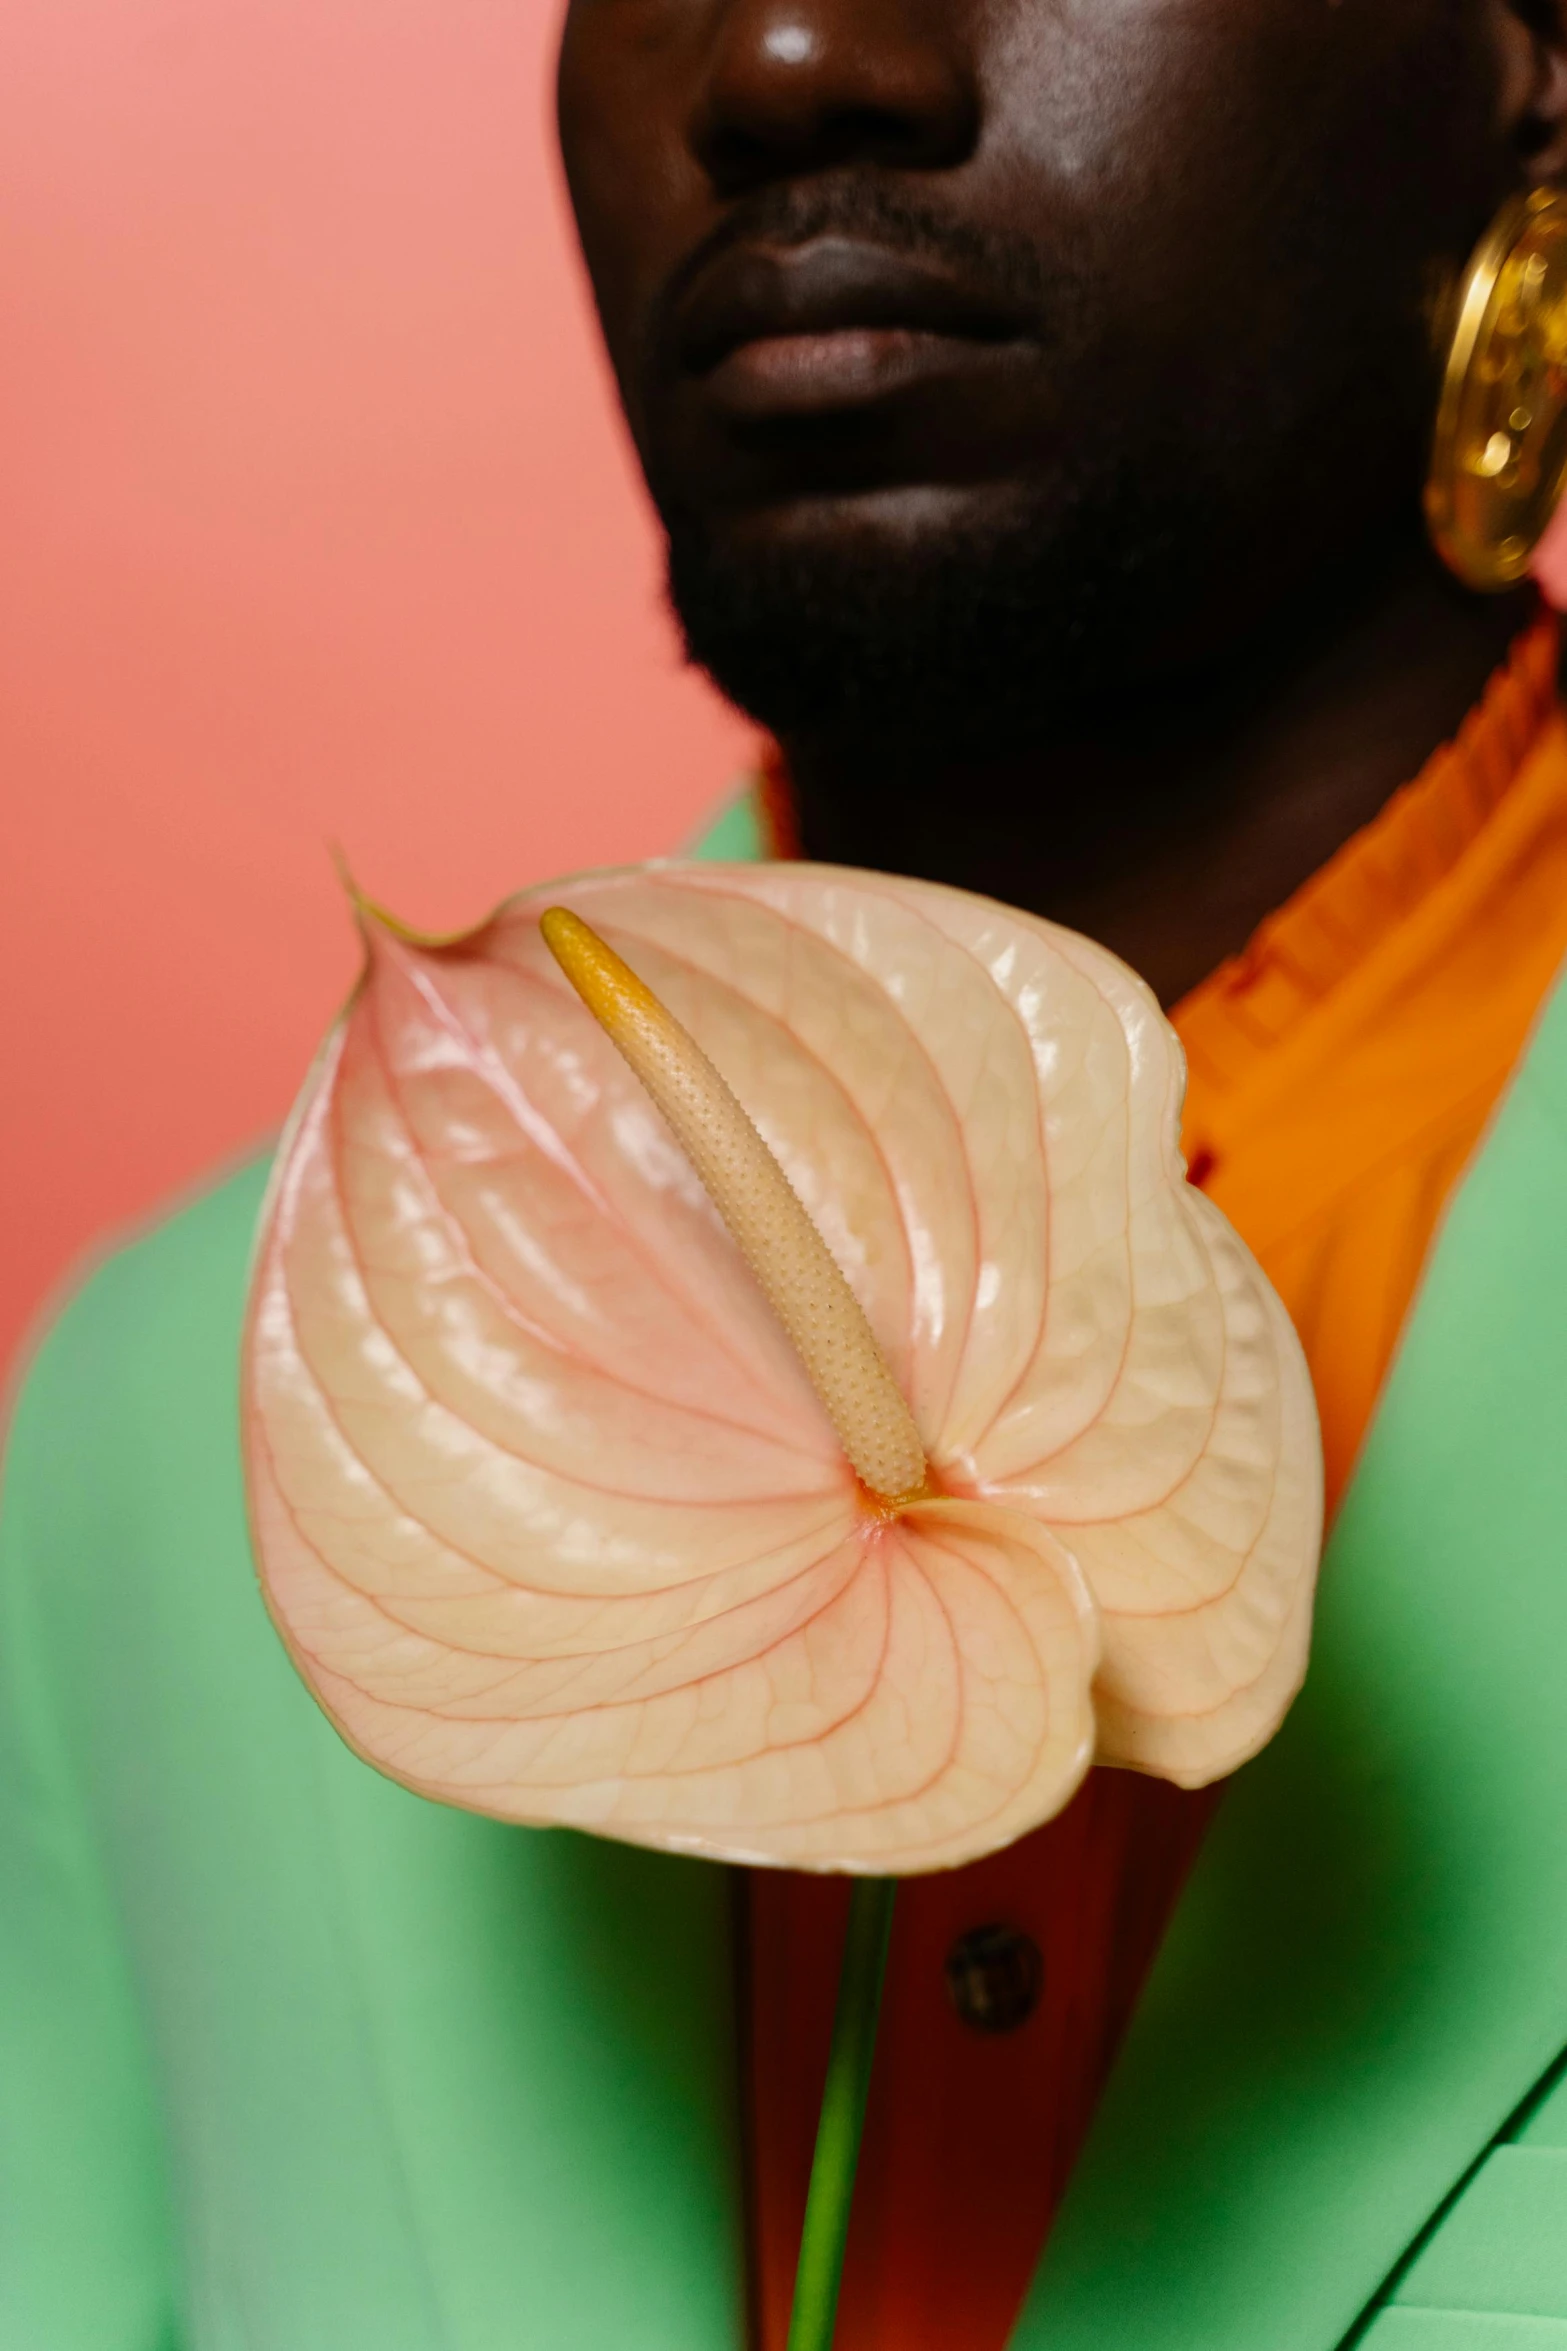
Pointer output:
x,y
807,374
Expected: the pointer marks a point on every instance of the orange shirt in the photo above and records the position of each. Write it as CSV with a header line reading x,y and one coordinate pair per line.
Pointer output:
x,y
1342,1070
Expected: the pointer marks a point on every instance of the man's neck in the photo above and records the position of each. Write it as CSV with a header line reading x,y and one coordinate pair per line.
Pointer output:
x,y
1167,825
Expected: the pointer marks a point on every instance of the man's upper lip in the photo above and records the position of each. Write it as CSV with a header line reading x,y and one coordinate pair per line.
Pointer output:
x,y
749,293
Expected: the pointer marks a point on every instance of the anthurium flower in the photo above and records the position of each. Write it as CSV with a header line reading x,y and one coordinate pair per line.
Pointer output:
x,y
802,1415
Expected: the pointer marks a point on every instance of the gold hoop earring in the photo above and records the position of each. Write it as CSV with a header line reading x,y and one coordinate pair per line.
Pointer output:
x,y
1499,462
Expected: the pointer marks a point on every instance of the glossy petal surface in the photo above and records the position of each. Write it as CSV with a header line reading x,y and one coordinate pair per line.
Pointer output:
x,y
546,1508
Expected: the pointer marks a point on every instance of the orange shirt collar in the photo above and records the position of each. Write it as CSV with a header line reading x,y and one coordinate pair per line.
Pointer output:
x,y
1352,905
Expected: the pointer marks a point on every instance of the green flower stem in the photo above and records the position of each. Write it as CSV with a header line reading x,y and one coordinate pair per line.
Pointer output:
x,y
842,2124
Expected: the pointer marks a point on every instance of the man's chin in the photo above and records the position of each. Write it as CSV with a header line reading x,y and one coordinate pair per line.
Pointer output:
x,y
948,622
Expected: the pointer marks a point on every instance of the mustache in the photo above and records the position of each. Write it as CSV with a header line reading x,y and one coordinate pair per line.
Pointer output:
x,y
1009,273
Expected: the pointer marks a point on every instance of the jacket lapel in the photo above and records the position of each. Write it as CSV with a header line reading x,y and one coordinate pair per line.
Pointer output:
x,y
1369,1969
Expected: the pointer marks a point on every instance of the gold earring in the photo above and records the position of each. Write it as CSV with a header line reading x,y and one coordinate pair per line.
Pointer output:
x,y
1499,463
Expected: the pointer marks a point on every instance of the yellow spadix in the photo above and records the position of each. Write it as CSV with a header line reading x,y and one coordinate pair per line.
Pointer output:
x,y
771,1227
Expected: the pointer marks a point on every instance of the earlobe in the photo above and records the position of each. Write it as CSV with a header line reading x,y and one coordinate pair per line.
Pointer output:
x,y
1533,83
1548,113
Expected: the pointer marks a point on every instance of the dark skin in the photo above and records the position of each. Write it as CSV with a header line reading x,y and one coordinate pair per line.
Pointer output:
x,y
1165,279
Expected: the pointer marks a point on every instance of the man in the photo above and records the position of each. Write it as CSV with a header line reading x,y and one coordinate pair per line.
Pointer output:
x,y
1037,395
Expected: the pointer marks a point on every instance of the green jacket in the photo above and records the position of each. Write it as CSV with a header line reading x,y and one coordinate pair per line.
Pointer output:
x,y
292,2061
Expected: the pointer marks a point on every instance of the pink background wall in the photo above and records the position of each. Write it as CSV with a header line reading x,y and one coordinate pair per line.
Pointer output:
x,y
317,525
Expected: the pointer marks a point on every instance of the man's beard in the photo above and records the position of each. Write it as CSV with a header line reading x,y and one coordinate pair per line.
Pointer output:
x,y
953,649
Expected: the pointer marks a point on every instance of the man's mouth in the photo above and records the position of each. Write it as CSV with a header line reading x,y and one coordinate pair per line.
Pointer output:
x,y
830,325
